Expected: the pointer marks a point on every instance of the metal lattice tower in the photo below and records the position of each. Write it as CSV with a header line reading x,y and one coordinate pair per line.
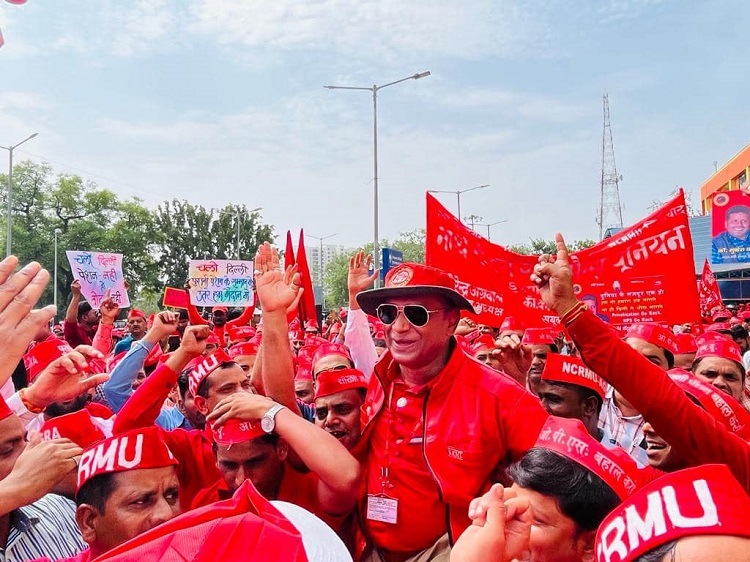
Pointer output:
x,y
610,209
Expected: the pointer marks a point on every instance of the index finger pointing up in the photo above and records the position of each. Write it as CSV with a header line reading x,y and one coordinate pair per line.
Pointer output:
x,y
562,249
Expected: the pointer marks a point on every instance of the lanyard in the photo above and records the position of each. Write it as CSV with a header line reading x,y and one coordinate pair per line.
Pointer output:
x,y
385,483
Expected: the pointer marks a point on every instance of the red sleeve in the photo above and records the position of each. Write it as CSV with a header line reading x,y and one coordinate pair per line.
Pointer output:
x,y
693,432
522,424
195,317
144,405
244,318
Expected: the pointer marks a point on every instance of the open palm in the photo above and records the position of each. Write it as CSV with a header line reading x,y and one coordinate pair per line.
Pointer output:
x,y
276,290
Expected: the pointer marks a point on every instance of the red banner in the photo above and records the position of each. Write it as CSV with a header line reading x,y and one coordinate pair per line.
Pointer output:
x,y
644,273
176,298
708,291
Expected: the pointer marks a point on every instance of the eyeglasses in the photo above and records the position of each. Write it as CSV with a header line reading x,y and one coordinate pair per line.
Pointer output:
x,y
416,314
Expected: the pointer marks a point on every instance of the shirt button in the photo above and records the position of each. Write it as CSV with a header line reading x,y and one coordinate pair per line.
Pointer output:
x,y
401,402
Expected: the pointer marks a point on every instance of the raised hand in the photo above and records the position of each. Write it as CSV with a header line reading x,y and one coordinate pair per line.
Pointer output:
x,y
500,528
75,286
65,378
514,357
277,290
108,308
359,278
554,278
19,324
240,406
165,323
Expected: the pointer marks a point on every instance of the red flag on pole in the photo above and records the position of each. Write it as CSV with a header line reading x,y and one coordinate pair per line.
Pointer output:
x,y
289,252
708,290
307,302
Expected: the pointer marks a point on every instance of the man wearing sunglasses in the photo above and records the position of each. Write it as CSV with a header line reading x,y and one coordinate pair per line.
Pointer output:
x,y
436,424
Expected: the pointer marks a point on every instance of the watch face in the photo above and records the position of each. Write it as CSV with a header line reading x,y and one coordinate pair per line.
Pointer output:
x,y
267,424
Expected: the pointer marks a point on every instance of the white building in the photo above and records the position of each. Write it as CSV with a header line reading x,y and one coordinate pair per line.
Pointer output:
x,y
330,251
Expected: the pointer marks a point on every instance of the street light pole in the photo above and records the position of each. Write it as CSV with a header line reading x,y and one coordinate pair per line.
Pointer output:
x,y
9,217
375,89
491,225
458,193
54,282
237,216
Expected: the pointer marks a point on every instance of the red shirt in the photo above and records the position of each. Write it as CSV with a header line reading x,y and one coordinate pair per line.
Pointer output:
x,y
75,336
689,429
474,419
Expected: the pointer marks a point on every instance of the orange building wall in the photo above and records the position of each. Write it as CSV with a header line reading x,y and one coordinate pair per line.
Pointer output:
x,y
726,178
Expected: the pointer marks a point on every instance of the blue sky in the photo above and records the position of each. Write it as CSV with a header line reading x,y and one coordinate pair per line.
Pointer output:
x,y
222,101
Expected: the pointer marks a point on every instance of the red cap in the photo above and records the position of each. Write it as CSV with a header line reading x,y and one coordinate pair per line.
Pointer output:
x,y
207,366
78,427
212,339
484,341
154,356
42,354
331,382
133,450
135,313
306,352
511,324
721,315
240,332
733,321
343,313
113,361
685,343
719,326
571,370
236,431
719,347
331,349
296,335
304,370
5,411
219,309
745,315
540,336
654,334
720,405
311,325
569,438
244,348
413,279
706,500
245,527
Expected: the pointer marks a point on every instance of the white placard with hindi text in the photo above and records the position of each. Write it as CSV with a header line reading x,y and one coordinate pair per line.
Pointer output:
x,y
221,283
98,273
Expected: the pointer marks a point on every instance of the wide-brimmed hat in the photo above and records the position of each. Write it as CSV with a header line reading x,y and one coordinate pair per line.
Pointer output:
x,y
413,280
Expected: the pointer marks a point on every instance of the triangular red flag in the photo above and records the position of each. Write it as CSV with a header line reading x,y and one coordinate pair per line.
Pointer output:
x,y
289,252
708,291
307,302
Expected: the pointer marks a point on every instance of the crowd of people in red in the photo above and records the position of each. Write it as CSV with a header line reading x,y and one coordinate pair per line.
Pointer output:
x,y
396,431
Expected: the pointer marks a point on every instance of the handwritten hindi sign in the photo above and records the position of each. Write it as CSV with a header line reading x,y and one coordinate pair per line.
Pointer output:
x,y
98,273
221,282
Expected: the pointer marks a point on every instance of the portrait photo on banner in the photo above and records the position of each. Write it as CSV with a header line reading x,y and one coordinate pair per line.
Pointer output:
x,y
730,227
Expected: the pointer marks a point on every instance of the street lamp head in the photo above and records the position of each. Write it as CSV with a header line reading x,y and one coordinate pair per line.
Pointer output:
x,y
32,136
424,74
257,209
58,231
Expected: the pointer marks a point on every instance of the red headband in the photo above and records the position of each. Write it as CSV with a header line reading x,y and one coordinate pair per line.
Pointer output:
x,y
42,354
723,348
78,427
655,334
706,500
134,450
331,382
236,431
685,343
5,411
330,349
484,341
207,366
241,332
540,336
571,370
569,438
135,313
153,356
722,407
244,348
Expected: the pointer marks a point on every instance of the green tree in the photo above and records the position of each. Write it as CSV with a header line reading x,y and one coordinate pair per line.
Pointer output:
x,y
190,231
539,246
87,218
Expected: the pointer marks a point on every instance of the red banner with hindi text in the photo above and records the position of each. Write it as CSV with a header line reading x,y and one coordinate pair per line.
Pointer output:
x,y
645,273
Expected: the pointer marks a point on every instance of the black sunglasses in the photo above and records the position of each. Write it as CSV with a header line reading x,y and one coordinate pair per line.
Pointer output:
x,y
416,314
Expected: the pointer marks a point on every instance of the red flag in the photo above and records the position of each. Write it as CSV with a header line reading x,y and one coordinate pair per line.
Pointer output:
x,y
708,290
307,302
289,252
623,277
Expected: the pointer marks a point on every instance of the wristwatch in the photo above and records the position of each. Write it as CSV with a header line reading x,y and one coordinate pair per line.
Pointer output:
x,y
268,421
